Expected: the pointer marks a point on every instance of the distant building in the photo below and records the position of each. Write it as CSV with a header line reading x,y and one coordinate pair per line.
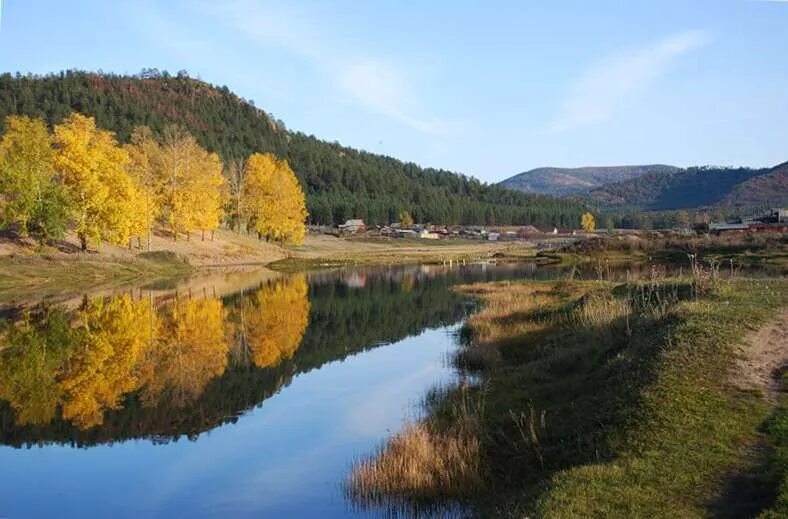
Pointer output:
x,y
352,226
493,236
727,227
427,235
775,221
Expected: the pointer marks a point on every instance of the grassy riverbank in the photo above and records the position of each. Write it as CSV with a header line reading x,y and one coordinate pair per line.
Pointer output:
x,y
596,400
28,271
764,251
323,251
38,276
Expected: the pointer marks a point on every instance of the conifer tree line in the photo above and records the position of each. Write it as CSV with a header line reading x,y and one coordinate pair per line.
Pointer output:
x,y
78,176
340,182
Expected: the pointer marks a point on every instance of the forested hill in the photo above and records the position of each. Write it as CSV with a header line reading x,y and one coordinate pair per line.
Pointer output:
x,y
340,182
696,187
767,190
574,181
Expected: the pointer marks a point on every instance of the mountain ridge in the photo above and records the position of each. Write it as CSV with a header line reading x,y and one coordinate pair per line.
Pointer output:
x,y
696,187
557,181
659,187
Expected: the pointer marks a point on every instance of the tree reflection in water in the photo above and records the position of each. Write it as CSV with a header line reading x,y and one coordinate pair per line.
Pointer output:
x,y
73,367
164,367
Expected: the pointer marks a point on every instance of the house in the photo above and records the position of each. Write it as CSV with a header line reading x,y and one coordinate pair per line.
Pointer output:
x,y
728,227
352,226
775,221
427,235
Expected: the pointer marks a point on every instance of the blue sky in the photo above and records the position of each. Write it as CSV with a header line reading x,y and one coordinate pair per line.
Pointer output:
x,y
485,88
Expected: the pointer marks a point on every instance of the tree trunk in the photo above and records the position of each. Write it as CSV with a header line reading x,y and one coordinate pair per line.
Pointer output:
x,y
203,235
83,240
188,235
148,222
213,231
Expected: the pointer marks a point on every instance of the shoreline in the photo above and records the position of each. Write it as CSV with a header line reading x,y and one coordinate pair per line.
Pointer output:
x,y
593,396
28,273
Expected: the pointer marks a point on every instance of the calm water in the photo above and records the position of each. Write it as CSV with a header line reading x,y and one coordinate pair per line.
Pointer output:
x,y
225,398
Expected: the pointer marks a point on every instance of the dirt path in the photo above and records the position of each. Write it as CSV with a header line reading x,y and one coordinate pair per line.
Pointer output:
x,y
764,353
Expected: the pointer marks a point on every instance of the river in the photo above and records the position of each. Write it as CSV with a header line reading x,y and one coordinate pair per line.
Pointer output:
x,y
242,397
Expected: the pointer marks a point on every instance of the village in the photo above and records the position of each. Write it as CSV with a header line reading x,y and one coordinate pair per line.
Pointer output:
x,y
773,221
357,227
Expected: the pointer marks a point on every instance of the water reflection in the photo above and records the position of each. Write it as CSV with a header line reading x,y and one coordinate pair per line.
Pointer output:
x,y
117,357
294,377
160,366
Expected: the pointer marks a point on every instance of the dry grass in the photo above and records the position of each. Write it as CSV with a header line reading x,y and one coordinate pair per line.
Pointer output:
x,y
599,310
504,309
423,463
322,251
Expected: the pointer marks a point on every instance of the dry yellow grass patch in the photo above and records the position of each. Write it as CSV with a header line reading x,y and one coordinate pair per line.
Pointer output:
x,y
505,306
422,463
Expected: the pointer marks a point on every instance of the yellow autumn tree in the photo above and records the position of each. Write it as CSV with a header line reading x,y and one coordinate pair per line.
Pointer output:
x,y
587,222
273,201
274,320
103,366
211,194
191,184
191,350
29,195
405,219
144,167
32,355
234,173
93,171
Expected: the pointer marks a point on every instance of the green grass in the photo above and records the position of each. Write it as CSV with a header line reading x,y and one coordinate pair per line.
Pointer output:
x,y
690,425
609,400
777,431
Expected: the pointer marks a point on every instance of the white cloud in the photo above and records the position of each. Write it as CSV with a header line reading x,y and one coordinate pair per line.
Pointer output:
x,y
381,89
376,85
608,85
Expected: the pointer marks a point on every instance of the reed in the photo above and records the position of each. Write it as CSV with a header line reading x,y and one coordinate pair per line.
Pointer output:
x,y
422,463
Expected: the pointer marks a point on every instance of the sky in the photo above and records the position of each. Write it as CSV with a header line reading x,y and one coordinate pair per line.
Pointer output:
x,y
488,89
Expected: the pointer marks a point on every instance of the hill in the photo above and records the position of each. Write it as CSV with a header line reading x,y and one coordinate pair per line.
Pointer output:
x,y
340,182
574,181
767,190
694,187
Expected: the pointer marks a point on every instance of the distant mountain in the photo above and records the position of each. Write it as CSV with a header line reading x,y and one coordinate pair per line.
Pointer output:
x,y
696,187
767,190
659,187
575,181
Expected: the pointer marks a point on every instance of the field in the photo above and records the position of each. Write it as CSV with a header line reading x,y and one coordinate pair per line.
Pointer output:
x,y
764,251
322,251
